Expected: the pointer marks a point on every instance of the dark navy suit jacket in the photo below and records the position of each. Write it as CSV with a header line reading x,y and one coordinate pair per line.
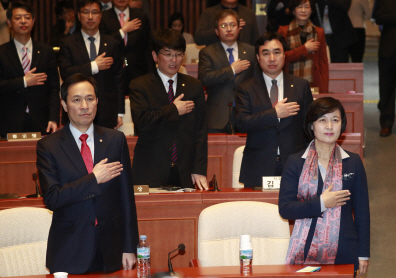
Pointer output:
x,y
354,238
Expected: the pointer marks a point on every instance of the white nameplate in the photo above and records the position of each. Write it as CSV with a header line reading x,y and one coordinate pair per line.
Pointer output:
x,y
271,182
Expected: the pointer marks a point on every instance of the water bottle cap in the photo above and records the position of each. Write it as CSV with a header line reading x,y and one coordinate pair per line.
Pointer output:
x,y
143,237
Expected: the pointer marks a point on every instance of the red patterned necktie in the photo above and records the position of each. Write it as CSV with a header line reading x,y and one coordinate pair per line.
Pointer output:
x,y
171,97
86,153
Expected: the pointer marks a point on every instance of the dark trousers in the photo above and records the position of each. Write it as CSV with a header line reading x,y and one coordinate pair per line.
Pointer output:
x,y
278,172
387,87
97,263
356,50
337,54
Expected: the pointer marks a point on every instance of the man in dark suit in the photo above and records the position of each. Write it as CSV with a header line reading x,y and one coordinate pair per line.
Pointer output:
x,y
66,23
332,16
205,33
270,108
222,66
85,177
385,14
29,81
132,28
100,58
169,110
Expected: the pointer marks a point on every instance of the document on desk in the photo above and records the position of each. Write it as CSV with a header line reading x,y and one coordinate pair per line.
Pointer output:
x,y
309,269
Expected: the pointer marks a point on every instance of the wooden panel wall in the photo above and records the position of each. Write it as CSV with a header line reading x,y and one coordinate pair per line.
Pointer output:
x,y
160,10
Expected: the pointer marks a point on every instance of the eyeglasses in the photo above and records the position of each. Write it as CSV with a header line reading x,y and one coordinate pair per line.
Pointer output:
x,y
225,25
168,55
94,12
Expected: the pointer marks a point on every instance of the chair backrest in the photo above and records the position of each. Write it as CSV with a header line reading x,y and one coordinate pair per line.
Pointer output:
x,y
23,241
192,53
220,227
236,167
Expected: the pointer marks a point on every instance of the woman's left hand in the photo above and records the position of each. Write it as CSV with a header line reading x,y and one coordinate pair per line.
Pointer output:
x,y
363,265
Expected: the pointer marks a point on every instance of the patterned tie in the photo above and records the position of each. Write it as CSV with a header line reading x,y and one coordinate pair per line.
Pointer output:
x,y
92,49
122,25
171,97
25,60
274,93
86,153
231,57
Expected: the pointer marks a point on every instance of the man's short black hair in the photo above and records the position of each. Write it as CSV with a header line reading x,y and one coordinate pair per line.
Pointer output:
x,y
224,13
269,36
320,107
174,17
19,5
168,38
84,3
293,4
74,79
62,6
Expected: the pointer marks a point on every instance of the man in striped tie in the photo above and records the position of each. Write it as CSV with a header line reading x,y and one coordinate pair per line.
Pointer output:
x,y
29,81
169,110
270,108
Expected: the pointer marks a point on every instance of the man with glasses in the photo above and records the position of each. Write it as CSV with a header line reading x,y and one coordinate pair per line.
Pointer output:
x,y
205,33
29,81
169,110
222,66
98,55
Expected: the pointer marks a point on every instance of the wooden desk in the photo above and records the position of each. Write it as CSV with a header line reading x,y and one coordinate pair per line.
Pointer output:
x,y
267,271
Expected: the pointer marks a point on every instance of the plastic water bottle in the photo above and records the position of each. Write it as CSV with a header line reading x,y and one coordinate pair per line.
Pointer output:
x,y
143,258
245,255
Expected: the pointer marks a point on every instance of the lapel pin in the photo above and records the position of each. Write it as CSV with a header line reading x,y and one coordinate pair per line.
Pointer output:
x,y
291,86
244,52
183,85
38,51
100,140
105,44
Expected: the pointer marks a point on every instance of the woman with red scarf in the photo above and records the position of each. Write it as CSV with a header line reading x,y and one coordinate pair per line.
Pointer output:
x,y
307,54
324,189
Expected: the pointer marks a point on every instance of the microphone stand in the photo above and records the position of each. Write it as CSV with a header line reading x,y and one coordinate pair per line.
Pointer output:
x,y
229,117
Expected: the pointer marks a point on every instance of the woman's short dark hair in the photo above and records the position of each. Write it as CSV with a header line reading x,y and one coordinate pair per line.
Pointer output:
x,y
74,79
293,4
174,17
320,107
168,38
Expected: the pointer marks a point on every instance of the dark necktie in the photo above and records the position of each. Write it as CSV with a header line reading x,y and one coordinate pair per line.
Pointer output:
x,y
171,97
231,57
105,6
274,93
86,153
92,49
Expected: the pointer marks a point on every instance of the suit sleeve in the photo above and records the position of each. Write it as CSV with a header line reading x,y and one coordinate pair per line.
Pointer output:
x,y
201,145
208,75
254,31
118,77
144,116
53,88
9,86
65,61
361,209
105,27
56,195
249,121
205,33
127,197
385,13
323,64
289,206
342,5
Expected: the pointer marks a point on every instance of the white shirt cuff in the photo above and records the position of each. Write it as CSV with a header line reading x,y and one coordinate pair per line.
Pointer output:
x,y
322,205
233,70
363,258
121,115
94,67
122,33
24,82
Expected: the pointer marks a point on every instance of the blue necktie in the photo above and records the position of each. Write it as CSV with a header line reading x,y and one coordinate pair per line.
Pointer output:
x,y
92,49
231,57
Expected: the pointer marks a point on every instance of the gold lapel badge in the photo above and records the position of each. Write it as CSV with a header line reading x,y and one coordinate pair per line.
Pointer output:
x,y
105,44
291,86
183,85
100,140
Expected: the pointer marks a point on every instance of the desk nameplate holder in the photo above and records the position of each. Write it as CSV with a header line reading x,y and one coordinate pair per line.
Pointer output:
x,y
23,136
271,182
141,189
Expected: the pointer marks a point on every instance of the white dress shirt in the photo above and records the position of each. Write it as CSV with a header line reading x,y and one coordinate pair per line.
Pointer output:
x,y
19,49
90,140
234,52
94,65
126,16
165,79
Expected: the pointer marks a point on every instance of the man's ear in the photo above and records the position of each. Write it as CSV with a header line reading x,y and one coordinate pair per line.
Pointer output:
x,y
217,31
155,57
64,105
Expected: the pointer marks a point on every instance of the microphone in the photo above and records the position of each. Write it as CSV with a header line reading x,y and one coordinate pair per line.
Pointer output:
x,y
181,247
34,175
229,116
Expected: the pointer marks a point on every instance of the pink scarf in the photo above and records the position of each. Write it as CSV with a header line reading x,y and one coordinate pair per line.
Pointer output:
x,y
324,246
